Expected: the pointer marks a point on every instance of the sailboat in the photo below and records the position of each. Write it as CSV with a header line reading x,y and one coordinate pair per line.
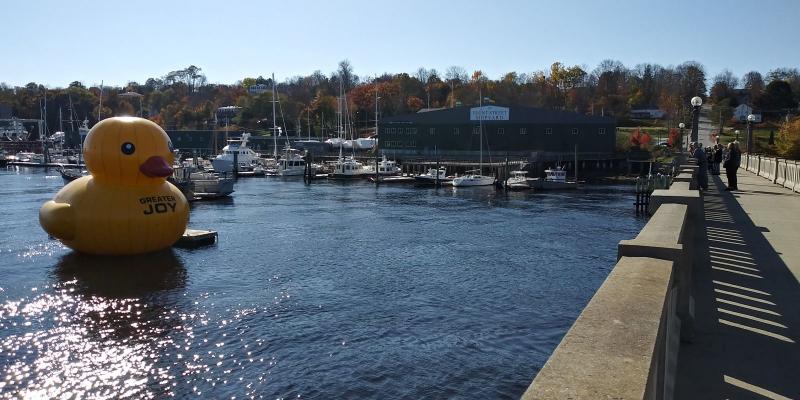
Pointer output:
x,y
345,167
473,178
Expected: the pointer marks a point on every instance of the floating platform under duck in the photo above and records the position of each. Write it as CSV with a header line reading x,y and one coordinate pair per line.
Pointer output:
x,y
193,238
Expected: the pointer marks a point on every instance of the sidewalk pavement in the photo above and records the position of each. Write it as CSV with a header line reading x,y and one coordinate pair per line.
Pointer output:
x,y
747,296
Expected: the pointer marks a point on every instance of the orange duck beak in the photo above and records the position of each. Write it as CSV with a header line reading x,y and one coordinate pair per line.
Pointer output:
x,y
156,167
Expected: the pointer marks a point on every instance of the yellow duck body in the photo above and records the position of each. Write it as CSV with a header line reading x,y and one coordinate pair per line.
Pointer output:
x,y
126,206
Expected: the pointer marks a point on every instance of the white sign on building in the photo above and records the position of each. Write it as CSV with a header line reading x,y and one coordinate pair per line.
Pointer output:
x,y
488,113
258,89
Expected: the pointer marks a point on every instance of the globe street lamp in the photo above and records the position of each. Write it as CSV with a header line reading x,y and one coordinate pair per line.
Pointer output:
x,y
681,126
737,134
696,103
750,119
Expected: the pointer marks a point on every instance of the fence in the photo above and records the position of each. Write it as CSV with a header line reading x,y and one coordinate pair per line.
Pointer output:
x,y
779,170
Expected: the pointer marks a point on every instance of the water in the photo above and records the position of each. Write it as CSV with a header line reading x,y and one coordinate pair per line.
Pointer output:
x,y
328,291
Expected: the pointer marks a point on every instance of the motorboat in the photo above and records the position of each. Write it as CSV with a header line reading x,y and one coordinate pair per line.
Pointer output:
x,y
292,164
518,181
236,149
29,157
347,168
555,179
208,185
385,166
15,131
432,176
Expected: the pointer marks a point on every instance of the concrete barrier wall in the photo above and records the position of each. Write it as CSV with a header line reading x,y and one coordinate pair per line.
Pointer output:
x,y
614,348
778,170
625,343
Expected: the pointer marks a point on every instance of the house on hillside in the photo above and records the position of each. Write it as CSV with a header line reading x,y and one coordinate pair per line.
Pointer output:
x,y
647,113
741,112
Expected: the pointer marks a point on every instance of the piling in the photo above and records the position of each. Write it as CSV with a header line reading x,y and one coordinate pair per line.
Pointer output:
x,y
236,164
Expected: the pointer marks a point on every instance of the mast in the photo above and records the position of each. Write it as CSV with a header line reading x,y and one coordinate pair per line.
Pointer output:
x,y
339,117
308,122
480,125
100,107
274,122
376,119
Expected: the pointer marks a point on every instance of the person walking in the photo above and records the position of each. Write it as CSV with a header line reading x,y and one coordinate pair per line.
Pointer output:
x,y
717,158
731,164
697,152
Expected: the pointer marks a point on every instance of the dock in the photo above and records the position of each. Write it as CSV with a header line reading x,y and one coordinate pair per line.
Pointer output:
x,y
194,238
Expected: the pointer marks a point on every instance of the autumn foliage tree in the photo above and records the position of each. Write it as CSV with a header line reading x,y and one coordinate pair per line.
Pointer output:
x,y
788,142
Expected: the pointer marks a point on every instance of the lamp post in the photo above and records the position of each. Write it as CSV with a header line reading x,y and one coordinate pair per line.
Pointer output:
x,y
737,134
696,103
681,126
750,119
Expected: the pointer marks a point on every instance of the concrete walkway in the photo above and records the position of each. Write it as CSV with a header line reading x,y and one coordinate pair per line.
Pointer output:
x,y
747,296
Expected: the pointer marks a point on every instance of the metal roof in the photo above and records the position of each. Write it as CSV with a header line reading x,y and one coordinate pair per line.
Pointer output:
x,y
517,114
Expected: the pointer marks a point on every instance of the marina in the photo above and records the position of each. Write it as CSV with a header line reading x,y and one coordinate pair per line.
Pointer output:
x,y
275,306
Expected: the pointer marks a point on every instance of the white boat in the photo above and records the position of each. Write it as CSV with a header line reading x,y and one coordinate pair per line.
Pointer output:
x,y
555,179
207,185
247,158
386,167
345,167
29,157
476,178
14,132
518,181
292,164
430,177
365,143
473,179
558,174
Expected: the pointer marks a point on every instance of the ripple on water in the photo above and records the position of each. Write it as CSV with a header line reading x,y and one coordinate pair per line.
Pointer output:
x,y
321,291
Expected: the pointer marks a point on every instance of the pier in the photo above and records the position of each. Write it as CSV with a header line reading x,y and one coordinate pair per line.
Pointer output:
x,y
703,303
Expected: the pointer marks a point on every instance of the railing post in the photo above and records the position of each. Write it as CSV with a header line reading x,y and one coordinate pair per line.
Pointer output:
x,y
775,175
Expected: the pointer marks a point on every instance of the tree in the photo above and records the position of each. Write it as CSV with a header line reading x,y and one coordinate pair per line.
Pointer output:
x,y
777,98
754,84
788,143
724,85
345,73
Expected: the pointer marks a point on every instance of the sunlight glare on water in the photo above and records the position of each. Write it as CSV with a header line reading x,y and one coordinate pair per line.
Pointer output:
x,y
322,291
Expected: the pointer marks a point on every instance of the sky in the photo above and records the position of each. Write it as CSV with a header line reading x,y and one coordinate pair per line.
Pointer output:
x,y
57,42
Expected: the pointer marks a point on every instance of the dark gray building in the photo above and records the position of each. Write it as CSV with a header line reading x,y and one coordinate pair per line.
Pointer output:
x,y
523,132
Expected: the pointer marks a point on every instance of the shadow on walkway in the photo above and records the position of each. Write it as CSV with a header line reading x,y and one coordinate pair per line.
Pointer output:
x,y
747,306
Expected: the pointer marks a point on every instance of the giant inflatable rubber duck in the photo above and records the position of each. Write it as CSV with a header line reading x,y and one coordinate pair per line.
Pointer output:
x,y
125,206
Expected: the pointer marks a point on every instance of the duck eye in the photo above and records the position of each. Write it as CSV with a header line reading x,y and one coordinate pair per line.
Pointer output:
x,y
128,148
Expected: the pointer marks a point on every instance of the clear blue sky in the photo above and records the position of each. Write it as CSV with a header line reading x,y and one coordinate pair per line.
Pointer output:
x,y
57,42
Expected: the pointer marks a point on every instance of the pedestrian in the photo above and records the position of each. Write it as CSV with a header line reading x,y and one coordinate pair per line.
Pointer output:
x,y
717,158
710,158
702,164
732,160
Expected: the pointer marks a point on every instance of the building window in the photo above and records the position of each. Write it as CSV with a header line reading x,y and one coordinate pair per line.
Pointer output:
x,y
413,131
523,131
548,131
501,131
456,132
574,131
601,131
392,131
431,131
476,130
